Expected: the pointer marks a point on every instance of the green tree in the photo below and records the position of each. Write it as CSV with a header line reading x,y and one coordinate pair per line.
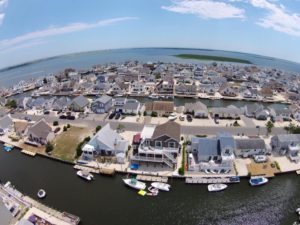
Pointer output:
x,y
154,114
269,126
68,125
55,123
49,147
98,128
65,128
11,103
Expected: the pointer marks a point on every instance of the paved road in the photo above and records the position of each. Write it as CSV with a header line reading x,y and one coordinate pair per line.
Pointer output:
x,y
130,126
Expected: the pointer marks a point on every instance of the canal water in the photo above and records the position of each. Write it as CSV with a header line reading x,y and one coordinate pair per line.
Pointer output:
x,y
108,201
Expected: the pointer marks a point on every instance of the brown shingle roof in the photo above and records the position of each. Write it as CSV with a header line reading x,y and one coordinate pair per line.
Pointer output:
x,y
20,126
170,128
160,106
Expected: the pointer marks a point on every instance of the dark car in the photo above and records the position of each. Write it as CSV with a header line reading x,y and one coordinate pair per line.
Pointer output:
x,y
63,117
71,117
47,112
112,115
27,118
57,129
189,118
118,115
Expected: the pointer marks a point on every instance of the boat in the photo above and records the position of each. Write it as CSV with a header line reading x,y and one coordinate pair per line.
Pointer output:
x,y
85,175
8,147
258,180
134,183
234,179
153,97
216,187
298,211
153,191
172,117
161,186
41,193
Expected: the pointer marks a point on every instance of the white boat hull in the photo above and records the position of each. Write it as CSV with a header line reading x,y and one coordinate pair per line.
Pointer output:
x,y
88,177
161,186
216,187
138,185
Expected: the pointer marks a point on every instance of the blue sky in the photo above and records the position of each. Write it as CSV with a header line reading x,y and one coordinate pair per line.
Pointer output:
x,y
34,29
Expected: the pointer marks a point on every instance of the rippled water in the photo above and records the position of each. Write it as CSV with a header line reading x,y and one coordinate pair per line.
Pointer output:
x,y
107,201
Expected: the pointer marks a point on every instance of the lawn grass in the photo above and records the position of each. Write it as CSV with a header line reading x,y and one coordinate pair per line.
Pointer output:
x,y
212,58
65,144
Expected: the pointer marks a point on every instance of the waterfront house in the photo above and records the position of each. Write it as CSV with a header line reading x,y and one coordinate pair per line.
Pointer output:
x,y
137,88
250,147
161,108
198,109
229,112
102,104
132,106
283,114
165,86
6,124
287,144
266,92
229,91
60,104
106,142
119,103
186,89
79,104
256,111
20,128
214,154
39,133
159,145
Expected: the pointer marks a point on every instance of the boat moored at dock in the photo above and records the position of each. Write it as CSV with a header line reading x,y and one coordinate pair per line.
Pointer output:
x,y
258,180
134,183
161,186
216,187
85,175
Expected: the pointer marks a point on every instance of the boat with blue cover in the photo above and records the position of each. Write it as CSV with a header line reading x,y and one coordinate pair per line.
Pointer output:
x,y
258,180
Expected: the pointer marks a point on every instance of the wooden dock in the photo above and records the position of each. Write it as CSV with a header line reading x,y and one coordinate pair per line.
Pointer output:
x,y
101,170
209,180
152,178
29,153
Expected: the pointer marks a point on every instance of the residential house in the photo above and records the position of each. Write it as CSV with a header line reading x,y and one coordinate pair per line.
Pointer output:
x,y
229,112
229,91
266,92
40,132
159,145
132,106
6,124
60,104
250,147
162,108
186,89
256,111
214,154
106,142
287,144
137,88
79,104
20,128
283,114
198,109
165,86
102,104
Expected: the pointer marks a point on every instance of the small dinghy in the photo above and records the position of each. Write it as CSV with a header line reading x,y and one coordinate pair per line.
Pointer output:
x,y
153,191
85,175
41,193
216,187
134,183
161,186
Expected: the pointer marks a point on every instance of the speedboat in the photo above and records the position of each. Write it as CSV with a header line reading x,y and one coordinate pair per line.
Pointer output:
x,y
85,175
216,187
258,180
172,117
298,211
134,183
41,193
161,186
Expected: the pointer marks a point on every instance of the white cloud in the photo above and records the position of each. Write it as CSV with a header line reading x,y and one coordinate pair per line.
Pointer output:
x,y
206,9
278,17
53,31
3,4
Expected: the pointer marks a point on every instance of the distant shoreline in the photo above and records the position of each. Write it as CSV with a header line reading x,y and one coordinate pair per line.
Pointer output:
x,y
212,58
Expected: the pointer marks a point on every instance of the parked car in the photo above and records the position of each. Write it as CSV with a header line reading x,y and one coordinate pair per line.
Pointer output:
x,y
57,129
182,117
260,158
46,112
112,115
63,117
71,117
189,118
118,115
27,118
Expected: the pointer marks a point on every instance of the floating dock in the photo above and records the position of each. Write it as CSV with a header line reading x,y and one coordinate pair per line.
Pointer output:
x,y
210,180
152,178
28,153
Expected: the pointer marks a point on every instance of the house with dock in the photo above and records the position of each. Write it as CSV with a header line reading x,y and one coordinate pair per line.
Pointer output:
x,y
229,112
161,108
39,133
102,104
215,154
287,144
79,104
6,124
159,145
197,109
250,147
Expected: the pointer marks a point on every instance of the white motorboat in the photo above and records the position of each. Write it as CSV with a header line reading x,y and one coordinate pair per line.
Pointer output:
x,y
216,187
258,180
161,186
41,193
298,211
134,183
85,175
172,117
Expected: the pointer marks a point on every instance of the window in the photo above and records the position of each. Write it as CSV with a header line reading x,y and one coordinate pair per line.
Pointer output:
x,y
158,144
172,144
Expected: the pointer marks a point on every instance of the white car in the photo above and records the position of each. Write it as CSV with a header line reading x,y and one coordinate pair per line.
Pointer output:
x,y
260,158
172,117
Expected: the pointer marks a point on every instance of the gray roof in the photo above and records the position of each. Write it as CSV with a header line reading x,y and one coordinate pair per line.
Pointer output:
x,y
253,143
40,129
81,101
104,99
229,109
5,122
226,140
206,146
288,137
131,104
24,222
195,106
5,215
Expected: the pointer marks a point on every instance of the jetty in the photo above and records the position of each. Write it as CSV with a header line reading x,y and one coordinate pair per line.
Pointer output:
x,y
100,170
26,152
210,180
152,178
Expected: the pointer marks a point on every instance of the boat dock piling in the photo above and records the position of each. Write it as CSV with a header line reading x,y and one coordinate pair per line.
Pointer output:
x,y
28,153
152,178
208,180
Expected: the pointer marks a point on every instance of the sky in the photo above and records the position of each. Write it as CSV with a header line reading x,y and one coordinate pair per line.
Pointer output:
x,y
35,29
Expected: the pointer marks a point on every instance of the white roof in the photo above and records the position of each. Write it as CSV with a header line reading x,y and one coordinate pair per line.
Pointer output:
x,y
147,131
88,148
